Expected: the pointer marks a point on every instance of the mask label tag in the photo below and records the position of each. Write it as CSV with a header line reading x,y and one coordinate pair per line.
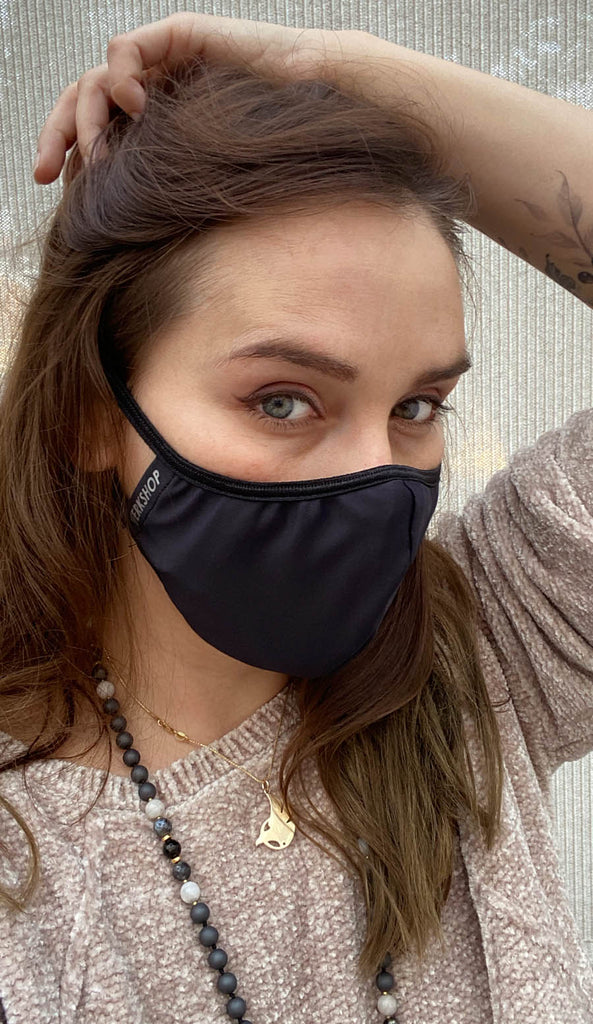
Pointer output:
x,y
156,477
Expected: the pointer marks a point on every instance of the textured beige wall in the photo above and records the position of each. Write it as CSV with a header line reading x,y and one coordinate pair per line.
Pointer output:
x,y
533,357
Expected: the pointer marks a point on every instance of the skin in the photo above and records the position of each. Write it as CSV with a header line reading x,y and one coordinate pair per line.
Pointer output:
x,y
369,285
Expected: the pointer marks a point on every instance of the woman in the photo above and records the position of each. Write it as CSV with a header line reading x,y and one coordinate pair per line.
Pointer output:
x,y
221,441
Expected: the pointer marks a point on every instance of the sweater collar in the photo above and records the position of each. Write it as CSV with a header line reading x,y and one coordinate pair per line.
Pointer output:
x,y
250,744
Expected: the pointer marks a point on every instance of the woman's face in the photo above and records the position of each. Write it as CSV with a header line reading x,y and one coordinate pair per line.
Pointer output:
x,y
375,290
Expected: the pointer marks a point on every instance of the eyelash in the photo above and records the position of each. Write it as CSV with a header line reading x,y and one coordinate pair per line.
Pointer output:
x,y
440,409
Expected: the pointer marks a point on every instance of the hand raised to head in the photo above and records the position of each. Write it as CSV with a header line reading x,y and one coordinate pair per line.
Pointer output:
x,y
277,51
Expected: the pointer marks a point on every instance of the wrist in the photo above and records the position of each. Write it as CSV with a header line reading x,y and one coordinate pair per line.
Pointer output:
x,y
396,76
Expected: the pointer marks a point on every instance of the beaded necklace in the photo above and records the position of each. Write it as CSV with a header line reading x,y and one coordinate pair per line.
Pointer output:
x,y
199,912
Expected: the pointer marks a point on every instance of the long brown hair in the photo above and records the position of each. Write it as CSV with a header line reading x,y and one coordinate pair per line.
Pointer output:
x,y
219,144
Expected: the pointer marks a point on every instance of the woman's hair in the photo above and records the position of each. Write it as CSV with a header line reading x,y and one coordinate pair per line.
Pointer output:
x,y
121,258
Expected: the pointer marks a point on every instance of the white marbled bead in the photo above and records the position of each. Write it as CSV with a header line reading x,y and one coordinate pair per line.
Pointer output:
x,y
190,892
387,1005
105,689
154,809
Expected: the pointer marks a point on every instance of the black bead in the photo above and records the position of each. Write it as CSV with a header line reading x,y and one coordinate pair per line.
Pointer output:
x,y
147,791
99,672
384,981
227,983
111,706
387,962
236,1007
171,848
124,740
118,723
181,871
388,1020
162,826
218,959
199,913
139,773
208,935
131,757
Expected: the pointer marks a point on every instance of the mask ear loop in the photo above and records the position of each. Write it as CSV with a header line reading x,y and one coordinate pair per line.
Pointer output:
x,y
130,408
158,445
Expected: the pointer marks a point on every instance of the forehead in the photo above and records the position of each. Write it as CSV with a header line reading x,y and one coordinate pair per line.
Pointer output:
x,y
371,285
354,261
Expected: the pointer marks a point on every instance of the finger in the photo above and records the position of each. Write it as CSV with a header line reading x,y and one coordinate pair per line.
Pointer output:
x,y
81,111
93,106
178,36
130,53
57,136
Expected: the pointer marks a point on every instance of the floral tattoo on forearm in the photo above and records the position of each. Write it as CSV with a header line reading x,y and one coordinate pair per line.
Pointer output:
x,y
579,240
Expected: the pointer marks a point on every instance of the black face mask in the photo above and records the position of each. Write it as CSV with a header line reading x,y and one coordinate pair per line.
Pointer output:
x,y
293,577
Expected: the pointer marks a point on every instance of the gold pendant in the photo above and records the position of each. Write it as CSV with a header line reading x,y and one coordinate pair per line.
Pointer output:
x,y
277,831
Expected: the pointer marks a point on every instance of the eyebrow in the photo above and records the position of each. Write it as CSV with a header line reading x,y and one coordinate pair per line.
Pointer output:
x,y
295,352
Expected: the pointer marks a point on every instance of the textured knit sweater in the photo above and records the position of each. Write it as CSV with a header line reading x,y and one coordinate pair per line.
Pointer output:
x,y
107,939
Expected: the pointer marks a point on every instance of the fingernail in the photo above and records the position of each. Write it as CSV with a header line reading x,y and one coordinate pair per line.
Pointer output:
x,y
135,115
36,164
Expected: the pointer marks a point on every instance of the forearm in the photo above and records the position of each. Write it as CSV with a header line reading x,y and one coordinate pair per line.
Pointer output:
x,y
529,156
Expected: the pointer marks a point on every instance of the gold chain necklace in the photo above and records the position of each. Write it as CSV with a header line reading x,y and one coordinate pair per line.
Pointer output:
x,y
277,831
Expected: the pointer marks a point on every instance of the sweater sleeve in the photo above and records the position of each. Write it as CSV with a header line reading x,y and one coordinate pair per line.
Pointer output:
x,y
526,546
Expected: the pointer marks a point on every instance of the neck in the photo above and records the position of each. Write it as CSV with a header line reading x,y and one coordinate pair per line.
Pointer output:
x,y
191,685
